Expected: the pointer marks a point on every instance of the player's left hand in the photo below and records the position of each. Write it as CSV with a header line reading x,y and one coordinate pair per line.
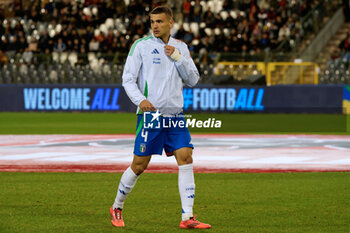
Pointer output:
x,y
169,49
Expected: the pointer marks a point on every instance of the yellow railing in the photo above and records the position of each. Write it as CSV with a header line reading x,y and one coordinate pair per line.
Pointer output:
x,y
241,70
275,72
291,73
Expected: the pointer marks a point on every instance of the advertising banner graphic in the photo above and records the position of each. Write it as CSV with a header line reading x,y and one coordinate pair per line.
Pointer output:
x,y
346,100
64,98
202,98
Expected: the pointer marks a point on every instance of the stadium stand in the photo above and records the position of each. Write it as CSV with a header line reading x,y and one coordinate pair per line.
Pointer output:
x,y
86,41
335,58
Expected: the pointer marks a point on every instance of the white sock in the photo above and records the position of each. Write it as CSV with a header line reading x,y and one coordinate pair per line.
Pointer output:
x,y
186,189
127,182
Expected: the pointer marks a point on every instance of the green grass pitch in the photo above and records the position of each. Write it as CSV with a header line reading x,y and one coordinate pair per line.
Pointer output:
x,y
116,123
231,202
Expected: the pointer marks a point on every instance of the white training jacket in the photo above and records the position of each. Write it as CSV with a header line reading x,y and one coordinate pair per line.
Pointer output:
x,y
150,74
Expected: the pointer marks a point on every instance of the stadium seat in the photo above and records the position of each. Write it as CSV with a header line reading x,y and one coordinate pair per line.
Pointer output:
x,y
233,14
7,77
53,76
175,28
208,31
122,24
204,5
109,23
194,27
55,56
73,58
186,26
226,32
63,57
224,15
23,69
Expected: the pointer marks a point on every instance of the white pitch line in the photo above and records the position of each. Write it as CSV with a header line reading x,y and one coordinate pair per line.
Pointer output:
x,y
41,155
78,158
336,147
279,160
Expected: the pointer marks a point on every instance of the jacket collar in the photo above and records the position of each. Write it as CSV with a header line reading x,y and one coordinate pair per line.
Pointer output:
x,y
160,40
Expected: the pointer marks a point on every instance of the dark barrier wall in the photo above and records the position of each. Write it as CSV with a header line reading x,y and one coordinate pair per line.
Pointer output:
x,y
293,98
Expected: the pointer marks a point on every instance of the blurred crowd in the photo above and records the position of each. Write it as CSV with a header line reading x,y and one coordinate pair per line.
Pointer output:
x,y
110,26
342,53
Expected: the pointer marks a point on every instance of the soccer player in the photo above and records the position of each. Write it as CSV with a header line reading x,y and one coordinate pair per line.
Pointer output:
x,y
153,77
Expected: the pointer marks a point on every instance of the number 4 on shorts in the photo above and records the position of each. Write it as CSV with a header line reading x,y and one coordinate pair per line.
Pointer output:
x,y
144,134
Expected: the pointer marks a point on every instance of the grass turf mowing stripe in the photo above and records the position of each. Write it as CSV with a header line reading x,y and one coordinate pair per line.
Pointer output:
x,y
117,123
230,202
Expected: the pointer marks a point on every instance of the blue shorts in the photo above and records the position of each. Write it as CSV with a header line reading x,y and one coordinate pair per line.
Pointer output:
x,y
151,141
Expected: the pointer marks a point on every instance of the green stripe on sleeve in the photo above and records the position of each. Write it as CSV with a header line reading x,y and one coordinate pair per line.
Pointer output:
x,y
136,42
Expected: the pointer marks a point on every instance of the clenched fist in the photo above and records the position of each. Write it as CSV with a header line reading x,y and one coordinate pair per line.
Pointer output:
x,y
146,106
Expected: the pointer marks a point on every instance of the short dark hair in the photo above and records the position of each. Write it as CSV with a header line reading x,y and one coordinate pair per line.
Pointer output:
x,y
162,9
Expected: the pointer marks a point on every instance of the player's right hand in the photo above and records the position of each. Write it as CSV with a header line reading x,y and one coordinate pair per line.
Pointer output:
x,y
146,106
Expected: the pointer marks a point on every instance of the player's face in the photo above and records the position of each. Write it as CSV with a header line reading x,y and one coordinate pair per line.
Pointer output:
x,y
161,25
